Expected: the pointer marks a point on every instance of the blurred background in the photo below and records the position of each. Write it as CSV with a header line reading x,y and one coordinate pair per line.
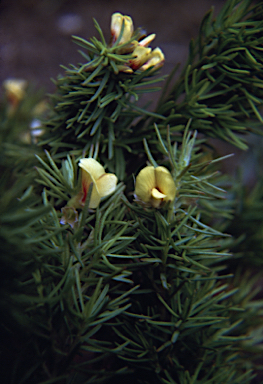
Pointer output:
x,y
35,35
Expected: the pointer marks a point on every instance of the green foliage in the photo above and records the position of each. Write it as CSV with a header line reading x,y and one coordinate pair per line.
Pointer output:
x,y
127,292
246,226
95,105
220,87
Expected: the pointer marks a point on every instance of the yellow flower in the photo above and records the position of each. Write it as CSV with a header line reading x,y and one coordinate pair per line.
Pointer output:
x,y
142,55
156,60
141,52
103,183
15,88
117,20
154,185
15,91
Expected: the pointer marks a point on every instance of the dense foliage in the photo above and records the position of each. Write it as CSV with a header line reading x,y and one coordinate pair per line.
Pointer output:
x,y
155,279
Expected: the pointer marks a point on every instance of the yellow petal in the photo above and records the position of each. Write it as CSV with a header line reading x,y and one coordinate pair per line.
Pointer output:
x,y
103,183
106,184
92,166
95,197
165,183
86,180
157,198
157,194
117,19
116,23
142,54
128,29
145,182
147,40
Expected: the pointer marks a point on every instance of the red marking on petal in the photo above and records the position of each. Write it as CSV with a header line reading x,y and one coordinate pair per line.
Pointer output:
x,y
113,38
134,64
85,192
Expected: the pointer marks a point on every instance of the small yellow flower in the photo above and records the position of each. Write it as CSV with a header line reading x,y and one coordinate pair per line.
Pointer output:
x,y
154,186
15,91
103,183
142,55
117,20
142,52
15,88
156,60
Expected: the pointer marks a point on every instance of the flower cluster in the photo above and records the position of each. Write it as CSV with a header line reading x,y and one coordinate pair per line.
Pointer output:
x,y
122,33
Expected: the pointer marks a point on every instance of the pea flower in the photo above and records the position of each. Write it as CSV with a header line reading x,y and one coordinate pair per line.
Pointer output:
x,y
154,186
103,183
141,52
117,20
156,59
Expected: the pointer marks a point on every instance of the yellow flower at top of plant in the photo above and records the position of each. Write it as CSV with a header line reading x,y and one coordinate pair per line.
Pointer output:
x,y
141,52
103,183
156,60
154,186
143,55
117,20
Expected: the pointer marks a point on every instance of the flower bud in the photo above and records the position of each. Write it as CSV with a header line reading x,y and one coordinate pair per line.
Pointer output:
x,y
117,20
